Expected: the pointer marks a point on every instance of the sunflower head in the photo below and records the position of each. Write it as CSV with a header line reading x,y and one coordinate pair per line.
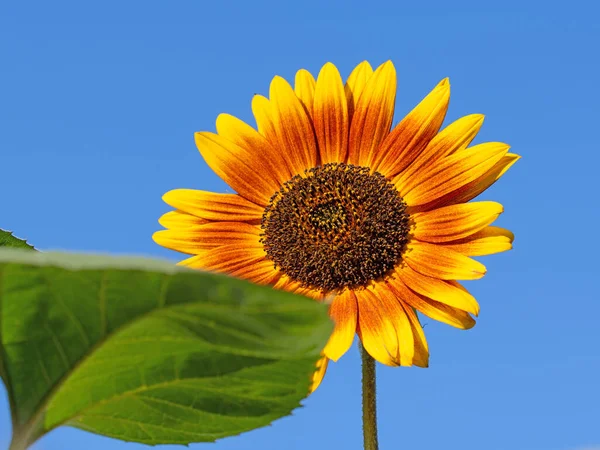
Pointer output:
x,y
332,202
336,227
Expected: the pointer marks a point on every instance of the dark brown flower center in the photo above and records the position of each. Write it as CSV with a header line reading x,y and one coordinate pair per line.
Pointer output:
x,y
337,226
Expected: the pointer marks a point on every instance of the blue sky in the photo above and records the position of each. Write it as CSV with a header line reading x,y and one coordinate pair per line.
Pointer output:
x,y
99,102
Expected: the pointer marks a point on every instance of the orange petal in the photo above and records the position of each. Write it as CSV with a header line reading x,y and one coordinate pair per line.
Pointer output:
x,y
266,158
319,373
373,115
421,351
293,127
285,283
179,219
447,292
411,136
376,329
456,136
451,173
331,115
384,327
304,87
213,206
440,262
236,260
197,239
393,309
261,273
343,311
454,222
436,310
475,187
488,241
355,85
245,171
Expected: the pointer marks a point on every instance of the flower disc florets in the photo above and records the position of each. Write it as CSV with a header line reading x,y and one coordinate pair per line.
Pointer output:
x,y
336,226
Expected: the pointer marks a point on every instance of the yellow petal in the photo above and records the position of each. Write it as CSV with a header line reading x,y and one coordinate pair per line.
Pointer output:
x,y
331,116
440,262
454,222
355,85
180,219
376,329
245,171
447,292
213,206
411,136
421,351
456,136
392,309
319,373
373,115
266,158
293,127
263,114
386,330
451,173
304,87
488,241
196,239
436,310
344,313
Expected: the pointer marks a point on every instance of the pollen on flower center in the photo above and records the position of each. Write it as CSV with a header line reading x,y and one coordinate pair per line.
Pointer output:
x,y
336,226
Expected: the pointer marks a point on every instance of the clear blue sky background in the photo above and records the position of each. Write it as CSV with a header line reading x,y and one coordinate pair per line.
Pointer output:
x,y
98,105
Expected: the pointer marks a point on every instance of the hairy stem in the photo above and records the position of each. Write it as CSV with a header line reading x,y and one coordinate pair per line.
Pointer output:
x,y
369,401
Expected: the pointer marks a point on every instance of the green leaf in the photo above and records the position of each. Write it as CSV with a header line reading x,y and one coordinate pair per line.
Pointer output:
x,y
7,239
146,351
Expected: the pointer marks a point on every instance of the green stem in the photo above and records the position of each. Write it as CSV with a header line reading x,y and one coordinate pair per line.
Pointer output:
x,y
18,443
369,401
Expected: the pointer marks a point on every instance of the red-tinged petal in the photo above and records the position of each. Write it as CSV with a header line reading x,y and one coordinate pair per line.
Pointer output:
x,y
373,115
470,190
267,159
355,85
451,173
456,136
454,222
437,261
331,116
411,136
249,175
285,283
293,127
236,260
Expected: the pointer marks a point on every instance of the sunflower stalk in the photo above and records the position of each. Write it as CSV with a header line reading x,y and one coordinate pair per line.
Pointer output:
x,y
369,401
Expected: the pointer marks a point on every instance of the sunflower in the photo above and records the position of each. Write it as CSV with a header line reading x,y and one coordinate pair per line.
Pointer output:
x,y
334,204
